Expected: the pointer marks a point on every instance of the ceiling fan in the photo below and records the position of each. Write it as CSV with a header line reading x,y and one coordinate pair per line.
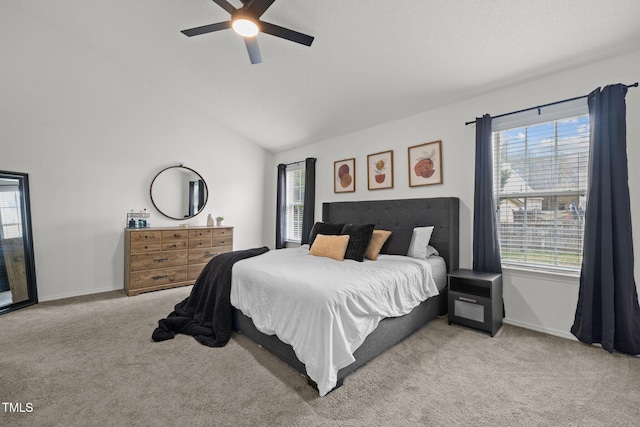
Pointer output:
x,y
246,22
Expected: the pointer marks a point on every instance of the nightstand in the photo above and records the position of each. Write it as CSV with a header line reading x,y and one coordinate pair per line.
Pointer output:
x,y
475,300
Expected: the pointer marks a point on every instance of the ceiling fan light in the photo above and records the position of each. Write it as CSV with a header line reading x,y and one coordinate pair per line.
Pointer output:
x,y
245,27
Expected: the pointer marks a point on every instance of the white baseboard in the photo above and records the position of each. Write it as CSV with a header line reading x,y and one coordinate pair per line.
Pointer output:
x,y
78,294
538,328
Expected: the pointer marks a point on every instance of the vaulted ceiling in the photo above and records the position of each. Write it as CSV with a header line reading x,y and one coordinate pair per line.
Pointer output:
x,y
371,61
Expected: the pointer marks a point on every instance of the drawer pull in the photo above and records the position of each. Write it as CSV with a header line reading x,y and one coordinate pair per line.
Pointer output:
x,y
161,259
475,301
222,241
176,235
159,277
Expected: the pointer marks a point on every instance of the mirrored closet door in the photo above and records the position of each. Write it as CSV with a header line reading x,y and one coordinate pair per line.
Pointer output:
x,y
17,267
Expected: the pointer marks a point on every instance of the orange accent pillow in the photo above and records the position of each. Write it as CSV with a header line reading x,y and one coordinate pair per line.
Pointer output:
x,y
377,241
330,246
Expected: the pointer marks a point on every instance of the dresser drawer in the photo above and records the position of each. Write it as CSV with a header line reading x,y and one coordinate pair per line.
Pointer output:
x,y
160,276
222,232
199,256
194,270
200,234
222,241
200,243
174,245
172,235
142,247
158,260
145,236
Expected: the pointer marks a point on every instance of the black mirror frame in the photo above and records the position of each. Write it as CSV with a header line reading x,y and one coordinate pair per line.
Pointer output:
x,y
27,236
181,166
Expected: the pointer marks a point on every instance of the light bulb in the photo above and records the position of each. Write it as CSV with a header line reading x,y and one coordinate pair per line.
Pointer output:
x,y
245,27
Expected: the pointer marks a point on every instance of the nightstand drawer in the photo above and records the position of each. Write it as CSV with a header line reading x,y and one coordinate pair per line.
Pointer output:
x,y
469,310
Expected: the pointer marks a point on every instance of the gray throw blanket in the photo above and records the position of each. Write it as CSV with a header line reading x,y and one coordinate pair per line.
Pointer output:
x,y
207,313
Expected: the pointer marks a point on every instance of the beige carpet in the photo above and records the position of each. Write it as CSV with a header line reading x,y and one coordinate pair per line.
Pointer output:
x,y
90,361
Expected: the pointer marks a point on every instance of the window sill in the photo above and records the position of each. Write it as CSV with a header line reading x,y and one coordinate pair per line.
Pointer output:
x,y
561,276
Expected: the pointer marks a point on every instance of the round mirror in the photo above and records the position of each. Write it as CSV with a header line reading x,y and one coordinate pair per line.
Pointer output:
x,y
179,192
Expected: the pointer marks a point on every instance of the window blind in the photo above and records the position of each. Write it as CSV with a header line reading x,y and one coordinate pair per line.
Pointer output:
x,y
10,214
540,186
295,201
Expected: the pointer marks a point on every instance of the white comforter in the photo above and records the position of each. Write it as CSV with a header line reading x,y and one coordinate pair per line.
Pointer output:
x,y
325,308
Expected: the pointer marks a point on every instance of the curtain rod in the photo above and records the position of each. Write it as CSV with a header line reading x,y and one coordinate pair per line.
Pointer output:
x,y
299,162
545,105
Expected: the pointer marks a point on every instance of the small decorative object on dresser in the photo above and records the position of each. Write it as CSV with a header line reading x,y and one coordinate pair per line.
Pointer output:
x,y
161,258
475,299
219,220
138,219
209,220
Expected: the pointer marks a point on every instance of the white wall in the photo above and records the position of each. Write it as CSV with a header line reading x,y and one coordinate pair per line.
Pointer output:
x,y
92,137
533,300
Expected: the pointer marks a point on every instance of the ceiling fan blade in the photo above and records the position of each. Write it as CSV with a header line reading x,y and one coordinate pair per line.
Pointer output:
x,y
258,7
253,49
207,29
285,33
225,5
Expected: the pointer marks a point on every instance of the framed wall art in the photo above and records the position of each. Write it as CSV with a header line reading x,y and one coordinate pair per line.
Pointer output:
x,y
344,176
380,170
425,164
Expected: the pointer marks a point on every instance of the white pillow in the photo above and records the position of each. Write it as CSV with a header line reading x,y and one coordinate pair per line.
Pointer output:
x,y
420,242
431,251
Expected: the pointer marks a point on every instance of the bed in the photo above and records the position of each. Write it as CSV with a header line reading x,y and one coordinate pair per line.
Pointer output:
x,y
400,217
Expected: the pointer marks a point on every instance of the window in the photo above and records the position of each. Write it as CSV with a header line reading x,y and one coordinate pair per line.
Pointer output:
x,y
295,202
10,214
540,186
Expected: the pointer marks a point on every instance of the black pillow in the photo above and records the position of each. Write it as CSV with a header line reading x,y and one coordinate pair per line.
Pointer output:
x,y
326,228
359,239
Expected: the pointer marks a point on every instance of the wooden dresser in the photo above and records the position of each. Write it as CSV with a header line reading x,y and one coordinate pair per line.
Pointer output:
x,y
161,258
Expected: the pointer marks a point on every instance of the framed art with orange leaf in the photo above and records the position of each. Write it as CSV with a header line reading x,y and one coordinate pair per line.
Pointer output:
x,y
344,176
425,164
380,170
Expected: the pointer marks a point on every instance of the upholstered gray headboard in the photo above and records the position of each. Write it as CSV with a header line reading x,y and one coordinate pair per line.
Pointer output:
x,y
400,217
